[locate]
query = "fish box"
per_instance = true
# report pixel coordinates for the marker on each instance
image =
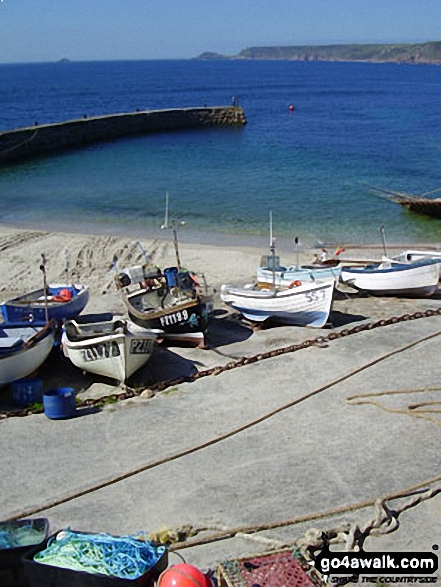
(16, 538)
(38, 574)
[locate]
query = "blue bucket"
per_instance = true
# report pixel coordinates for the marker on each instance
(27, 391)
(171, 274)
(59, 403)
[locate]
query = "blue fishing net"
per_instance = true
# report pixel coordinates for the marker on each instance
(125, 557)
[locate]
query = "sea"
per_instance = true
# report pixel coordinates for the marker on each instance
(319, 138)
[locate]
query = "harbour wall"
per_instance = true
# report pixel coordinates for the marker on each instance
(17, 145)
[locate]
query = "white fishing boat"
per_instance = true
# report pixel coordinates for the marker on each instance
(412, 255)
(308, 304)
(285, 276)
(114, 348)
(394, 278)
(299, 303)
(23, 348)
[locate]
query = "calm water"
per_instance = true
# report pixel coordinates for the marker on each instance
(353, 125)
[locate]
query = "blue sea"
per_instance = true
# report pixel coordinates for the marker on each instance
(354, 126)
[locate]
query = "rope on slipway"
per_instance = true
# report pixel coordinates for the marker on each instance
(418, 410)
(353, 536)
(74, 495)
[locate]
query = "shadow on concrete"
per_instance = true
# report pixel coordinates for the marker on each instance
(343, 318)
(225, 329)
(164, 364)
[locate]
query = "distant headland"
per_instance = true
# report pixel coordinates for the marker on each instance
(387, 53)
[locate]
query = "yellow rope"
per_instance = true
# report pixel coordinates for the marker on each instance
(417, 410)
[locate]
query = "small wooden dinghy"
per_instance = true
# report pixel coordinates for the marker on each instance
(392, 278)
(62, 301)
(23, 348)
(114, 348)
(308, 304)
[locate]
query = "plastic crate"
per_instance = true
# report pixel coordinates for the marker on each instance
(11, 570)
(41, 575)
(274, 569)
(27, 391)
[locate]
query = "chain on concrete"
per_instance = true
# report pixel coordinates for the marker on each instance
(161, 386)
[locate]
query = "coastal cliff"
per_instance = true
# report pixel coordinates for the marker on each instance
(376, 53)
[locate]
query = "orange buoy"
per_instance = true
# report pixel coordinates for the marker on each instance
(183, 575)
(295, 283)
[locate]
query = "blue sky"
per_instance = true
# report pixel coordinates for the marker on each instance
(47, 30)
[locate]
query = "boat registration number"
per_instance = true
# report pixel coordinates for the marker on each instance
(102, 350)
(141, 347)
(175, 318)
(316, 295)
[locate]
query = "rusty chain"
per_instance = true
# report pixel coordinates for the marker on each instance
(162, 385)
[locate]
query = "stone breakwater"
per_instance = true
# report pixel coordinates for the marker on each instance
(17, 145)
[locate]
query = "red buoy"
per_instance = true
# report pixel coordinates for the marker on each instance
(183, 575)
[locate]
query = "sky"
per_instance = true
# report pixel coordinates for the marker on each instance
(84, 30)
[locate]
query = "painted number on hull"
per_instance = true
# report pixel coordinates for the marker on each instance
(103, 350)
(174, 318)
(141, 347)
(316, 295)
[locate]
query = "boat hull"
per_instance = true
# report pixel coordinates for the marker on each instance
(33, 304)
(186, 321)
(306, 305)
(419, 279)
(20, 360)
(114, 349)
(412, 255)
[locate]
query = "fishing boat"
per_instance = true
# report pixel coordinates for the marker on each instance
(394, 278)
(411, 255)
(114, 348)
(286, 276)
(305, 303)
(174, 301)
(57, 301)
(24, 348)
(308, 304)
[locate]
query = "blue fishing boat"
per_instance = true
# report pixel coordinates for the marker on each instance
(55, 301)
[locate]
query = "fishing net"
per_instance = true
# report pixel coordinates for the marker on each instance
(124, 557)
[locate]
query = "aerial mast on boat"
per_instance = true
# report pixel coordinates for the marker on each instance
(174, 226)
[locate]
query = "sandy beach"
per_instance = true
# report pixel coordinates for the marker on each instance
(275, 440)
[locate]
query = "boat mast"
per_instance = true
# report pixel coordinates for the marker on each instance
(273, 251)
(45, 291)
(383, 239)
(296, 241)
(174, 227)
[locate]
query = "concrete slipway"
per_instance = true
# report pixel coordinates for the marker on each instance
(319, 454)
